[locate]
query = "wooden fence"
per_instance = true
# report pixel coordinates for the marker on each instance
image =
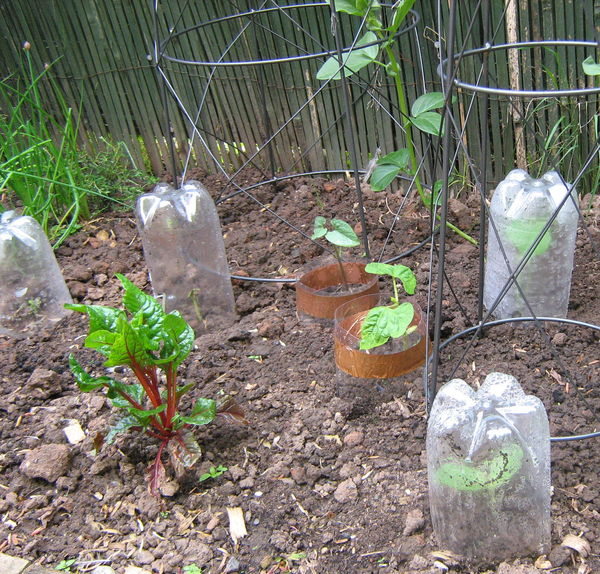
(223, 106)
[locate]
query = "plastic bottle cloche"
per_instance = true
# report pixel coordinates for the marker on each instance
(32, 289)
(185, 254)
(488, 464)
(520, 210)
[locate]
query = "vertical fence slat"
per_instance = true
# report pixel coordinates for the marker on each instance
(102, 46)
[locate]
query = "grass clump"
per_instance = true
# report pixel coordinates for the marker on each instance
(43, 170)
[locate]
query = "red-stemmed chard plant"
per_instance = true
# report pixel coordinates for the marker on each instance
(152, 344)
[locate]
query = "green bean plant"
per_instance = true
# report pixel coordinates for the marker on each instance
(340, 235)
(376, 46)
(391, 321)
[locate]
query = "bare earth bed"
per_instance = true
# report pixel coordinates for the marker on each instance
(329, 481)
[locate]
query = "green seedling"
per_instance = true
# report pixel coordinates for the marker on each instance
(65, 565)
(489, 474)
(194, 296)
(391, 321)
(152, 344)
(522, 234)
(213, 472)
(192, 569)
(340, 235)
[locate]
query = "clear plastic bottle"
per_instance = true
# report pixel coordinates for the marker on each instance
(185, 254)
(32, 289)
(520, 208)
(488, 462)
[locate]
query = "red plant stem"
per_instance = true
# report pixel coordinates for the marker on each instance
(150, 386)
(137, 405)
(163, 436)
(171, 393)
(154, 469)
(151, 374)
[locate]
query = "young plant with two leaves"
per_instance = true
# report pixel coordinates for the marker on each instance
(340, 235)
(376, 46)
(153, 344)
(392, 321)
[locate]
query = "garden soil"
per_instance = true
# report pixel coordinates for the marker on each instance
(330, 476)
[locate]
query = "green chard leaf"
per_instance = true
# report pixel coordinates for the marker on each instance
(203, 412)
(101, 318)
(86, 382)
(138, 302)
(102, 341)
(121, 426)
(129, 348)
(134, 390)
(178, 339)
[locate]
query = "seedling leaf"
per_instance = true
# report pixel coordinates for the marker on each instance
(427, 102)
(319, 227)
(383, 175)
(402, 9)
(523, 234)
(353, 7)
(489, 474)
(353, 61)
(428, 122)
(383, 323)
(400, 158)
(401, 272)
(388, 167)
(590, 67)
(342, 234)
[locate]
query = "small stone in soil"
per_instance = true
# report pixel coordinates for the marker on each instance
(346, 491)
(49, 461)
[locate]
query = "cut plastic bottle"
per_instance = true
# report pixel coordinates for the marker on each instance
(520, 209)
(488, 462)
(185, 254)
(32, 289)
